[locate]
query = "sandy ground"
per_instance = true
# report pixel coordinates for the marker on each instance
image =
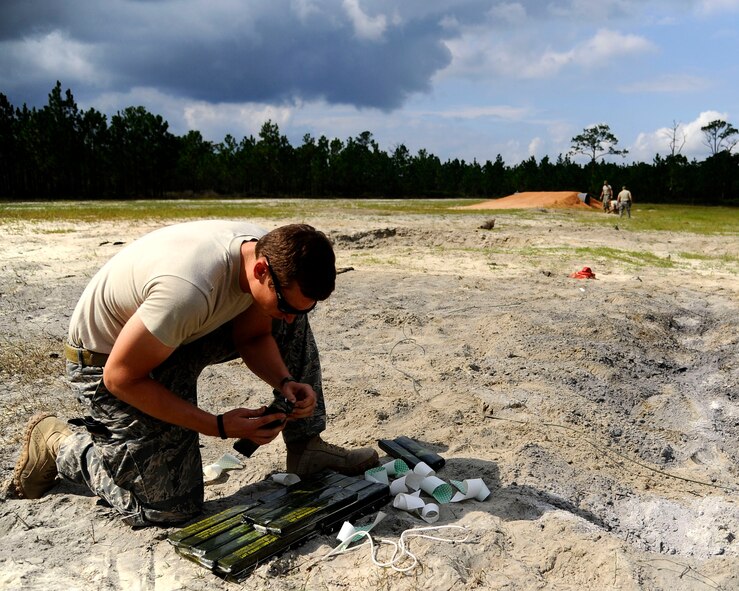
(602, 414)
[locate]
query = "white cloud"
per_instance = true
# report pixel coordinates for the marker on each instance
(600, 49)
(498, 112)
(561, 133)
(509, 12)
(480, 54)
(709, 7)
(212, 120)
(587, 9)
(648, 144)
(535, 146)
(304, 8)
(669, 83)
(53, 55)
(216, 120)
(365, 27)
(606, 45)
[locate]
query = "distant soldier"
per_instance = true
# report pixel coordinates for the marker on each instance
(624, 202)
(606, 195)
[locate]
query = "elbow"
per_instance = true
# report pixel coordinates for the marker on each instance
(115, 381)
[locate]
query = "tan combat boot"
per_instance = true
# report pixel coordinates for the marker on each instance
(313, 455)
(36, 472)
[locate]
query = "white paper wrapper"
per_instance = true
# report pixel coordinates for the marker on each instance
(430, 513)
(211, 472)
(437, 488)
(229, 462)
(285, 479)
(406, 502)
(423, 469)
(377, 475)
(348, 531)
(396, 467)
(474, 488)
(398, 486)
(413, 503)
(413, 481)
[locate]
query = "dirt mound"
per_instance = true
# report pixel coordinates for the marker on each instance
(529, 199)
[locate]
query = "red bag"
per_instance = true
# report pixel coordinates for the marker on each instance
(584, 273)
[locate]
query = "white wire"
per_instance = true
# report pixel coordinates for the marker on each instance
(401, 551)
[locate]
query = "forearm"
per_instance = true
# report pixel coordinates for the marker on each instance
(263, 358)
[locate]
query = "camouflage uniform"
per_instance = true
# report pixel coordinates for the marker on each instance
(151, 471)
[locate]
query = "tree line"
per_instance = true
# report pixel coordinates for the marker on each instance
(61, 152)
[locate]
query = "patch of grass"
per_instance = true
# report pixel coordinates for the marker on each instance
(371, 259)
(32, 372)
(721, 258)
(724, 262)
(61, 231)
(27, 361)
(695, 219)
(646, 217)
(201, 208)
(142, 209)
(274, 208)
(636, 258)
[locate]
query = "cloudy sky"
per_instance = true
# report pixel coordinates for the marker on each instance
(459, 78)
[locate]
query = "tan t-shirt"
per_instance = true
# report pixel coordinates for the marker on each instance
(182, 281)
(624, 196)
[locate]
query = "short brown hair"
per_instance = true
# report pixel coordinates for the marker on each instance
(299, 252)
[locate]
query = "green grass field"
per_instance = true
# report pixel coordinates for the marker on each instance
(646, 217)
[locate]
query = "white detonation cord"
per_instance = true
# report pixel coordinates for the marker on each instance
(401, 551)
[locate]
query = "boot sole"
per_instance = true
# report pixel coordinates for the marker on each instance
(21, 463)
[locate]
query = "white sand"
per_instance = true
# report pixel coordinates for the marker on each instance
(602, 414)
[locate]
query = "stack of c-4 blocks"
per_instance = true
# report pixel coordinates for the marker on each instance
(235, 541)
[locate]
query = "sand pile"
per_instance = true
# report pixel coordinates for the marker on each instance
(531, 199)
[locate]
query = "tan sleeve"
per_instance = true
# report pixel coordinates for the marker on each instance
(173, 309)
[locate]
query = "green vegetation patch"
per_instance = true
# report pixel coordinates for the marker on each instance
(695, 219)
(91, 211)
(668, 218)
(636, 258)
(711, 258)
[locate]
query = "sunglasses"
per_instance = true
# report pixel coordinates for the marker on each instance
(282, 304)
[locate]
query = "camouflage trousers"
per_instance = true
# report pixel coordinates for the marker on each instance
(151, 471)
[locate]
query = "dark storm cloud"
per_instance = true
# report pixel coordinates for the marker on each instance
(369, 54)
(287, 60)
(260, 51)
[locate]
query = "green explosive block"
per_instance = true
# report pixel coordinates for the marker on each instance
(247, 536)
(239, 564)
(211, 544)
(293, 495)
(203, 529)
(308, 514)
(370, 496)
(232, 544)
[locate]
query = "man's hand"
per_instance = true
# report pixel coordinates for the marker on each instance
(304, 398)
(245, 423)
